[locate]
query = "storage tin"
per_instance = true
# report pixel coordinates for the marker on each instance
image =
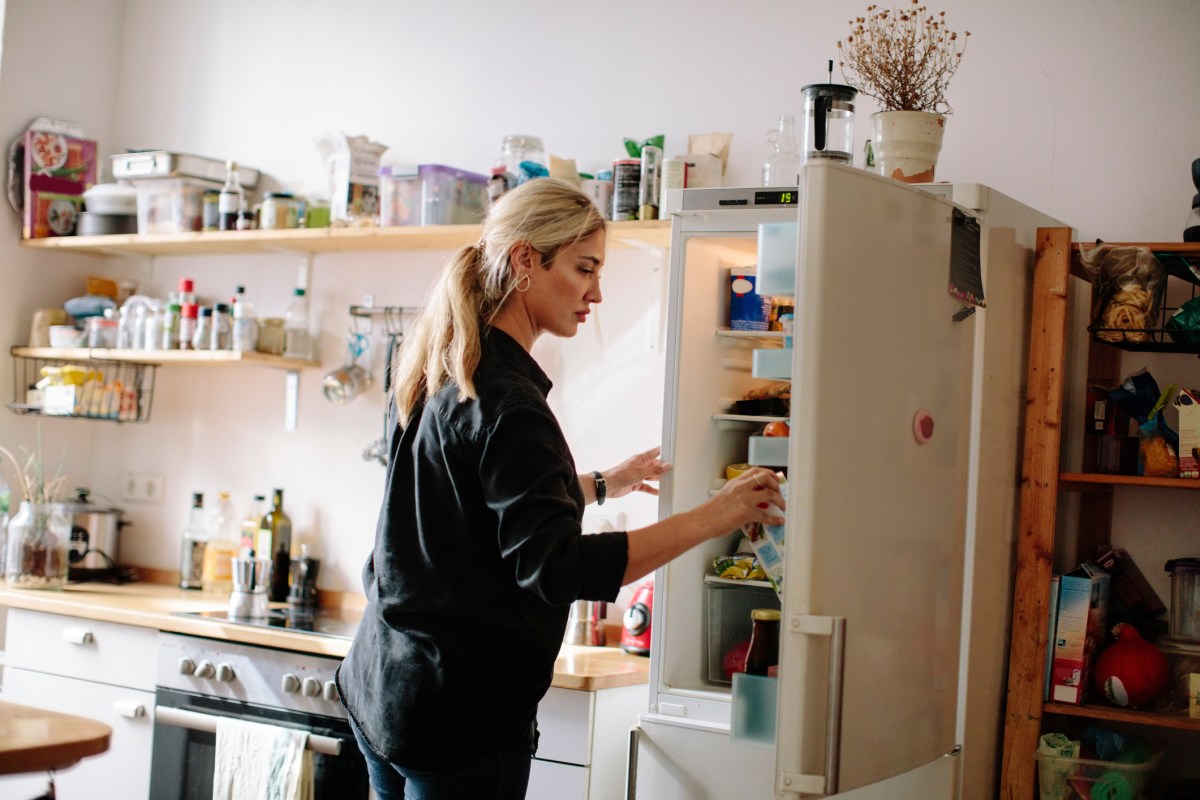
(1185, 597)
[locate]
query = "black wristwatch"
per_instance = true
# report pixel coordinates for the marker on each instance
(601, 487)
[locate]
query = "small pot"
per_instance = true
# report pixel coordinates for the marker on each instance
(95, 535)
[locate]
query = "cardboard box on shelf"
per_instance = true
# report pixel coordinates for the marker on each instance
(1082, 613)
(1133, 598)
(58, 168)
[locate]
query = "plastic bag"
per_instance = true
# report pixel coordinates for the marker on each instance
(1129, 282)
(1184, 324)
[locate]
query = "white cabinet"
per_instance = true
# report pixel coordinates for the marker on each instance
(98, 670)
(582, 747)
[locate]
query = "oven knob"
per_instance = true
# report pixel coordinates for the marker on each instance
(330, 692)
(224, 673)
(311, 687)
(186, 666)
(204, 669)
(290, 683)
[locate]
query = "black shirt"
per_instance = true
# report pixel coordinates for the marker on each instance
(478, 555)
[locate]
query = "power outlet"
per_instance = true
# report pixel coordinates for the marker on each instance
(603, 521)
(145, 488)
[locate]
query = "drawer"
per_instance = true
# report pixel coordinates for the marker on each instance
(103, 652)
(564, 723)
(119, 773)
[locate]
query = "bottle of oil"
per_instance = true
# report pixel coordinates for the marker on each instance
(195, 538)
(280, 527)
(223, 532)
(251, 525)
(231, 199)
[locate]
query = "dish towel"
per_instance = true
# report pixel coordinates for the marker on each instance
(261, 762)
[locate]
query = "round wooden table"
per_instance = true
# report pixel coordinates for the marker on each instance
(36, 740)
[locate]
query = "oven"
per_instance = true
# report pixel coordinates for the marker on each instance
(202, 680)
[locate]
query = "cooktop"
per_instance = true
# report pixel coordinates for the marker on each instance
(334, 622)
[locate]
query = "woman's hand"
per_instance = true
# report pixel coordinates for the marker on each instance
(632, 474)
(753, 496)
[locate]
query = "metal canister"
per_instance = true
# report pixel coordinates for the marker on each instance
(650, 182)
(627, 178)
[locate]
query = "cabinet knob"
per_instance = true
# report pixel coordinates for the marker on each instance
(77, 635)
(129, 708)
(311, 687)
(186, 666)
(290, 684)
(224, 673)
(205, 669)
(330, 692)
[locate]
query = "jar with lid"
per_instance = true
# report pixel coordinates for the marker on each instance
(202, 340)
(271, 335)
(517, 149)
(222, 329)
(764, 641)
(279, 210)
(101, 332)
(210, 210)
(187, 325)
(39, 536)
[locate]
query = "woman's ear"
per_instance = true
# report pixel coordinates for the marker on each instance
(523, 257)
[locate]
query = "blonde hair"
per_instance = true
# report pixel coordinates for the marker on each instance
(444, 345)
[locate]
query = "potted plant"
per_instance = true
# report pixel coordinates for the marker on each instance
(39, 533)
(904, 59)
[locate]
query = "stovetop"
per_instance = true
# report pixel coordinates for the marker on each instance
(332, 622)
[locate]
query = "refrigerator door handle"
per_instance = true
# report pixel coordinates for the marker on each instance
(635, 735)
(794, 784)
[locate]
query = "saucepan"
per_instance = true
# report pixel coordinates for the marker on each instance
(345, 383)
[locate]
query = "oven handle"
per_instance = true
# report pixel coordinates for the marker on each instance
(194, 720)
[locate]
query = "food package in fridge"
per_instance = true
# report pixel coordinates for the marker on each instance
(58, 168)
(767, 542)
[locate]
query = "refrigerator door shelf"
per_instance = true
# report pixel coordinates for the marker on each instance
(774, 364)
(768, 451)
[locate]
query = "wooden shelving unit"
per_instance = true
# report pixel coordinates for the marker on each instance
(1057, 261)
(316, 240)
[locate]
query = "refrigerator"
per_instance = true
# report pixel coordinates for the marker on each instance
(906, 367)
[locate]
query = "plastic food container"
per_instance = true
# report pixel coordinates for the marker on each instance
(1185, 597)
(431, 194)
(1060, 777)
(1183, 661)
(171, 205)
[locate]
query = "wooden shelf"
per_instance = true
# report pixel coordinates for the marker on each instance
(1074, 479)
(223, 357)
(317, 240)
(1178, 720)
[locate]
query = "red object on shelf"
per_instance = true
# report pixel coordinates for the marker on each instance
(1131, 672)
(635, 623)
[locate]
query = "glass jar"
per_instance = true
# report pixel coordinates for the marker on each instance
(271, 336)
(279, 210)
(38, 539)
(517, 149)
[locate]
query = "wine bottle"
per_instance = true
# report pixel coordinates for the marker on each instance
(195, 538)
(280, 526)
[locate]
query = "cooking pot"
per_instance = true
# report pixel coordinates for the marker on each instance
(95, 536)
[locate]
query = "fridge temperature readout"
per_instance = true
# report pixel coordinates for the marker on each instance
(786, 197)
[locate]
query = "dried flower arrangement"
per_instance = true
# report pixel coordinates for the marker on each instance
(37, 555)
(31, 477)
(902, 58)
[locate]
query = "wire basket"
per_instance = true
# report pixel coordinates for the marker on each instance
(1161, 337)
(118, 391)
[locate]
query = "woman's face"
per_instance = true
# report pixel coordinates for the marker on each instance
(561, 296)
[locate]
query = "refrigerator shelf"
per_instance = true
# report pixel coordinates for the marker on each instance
(735, 582)
(729, 422)
(768, 451)
(766, 336)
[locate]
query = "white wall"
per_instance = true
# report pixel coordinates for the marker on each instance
(1084, 110)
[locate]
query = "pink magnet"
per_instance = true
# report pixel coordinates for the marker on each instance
(922, 426)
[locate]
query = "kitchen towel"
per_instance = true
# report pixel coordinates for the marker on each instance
(261, 762)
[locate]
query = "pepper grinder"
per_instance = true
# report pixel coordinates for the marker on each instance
(1191, 228)
(302, 594)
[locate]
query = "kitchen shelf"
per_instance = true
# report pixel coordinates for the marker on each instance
(158, 357)
(1074, 480)
(1178, 720)
(655, 233)
(734, 582)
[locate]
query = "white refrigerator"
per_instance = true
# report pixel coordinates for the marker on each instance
(902, 468)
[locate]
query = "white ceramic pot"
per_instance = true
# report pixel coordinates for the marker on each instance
(907, 143)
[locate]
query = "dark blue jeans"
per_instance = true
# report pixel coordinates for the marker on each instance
(503, 775)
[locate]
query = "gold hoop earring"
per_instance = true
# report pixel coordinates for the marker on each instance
(519, 287)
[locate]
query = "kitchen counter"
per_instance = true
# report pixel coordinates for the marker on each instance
(149, 605)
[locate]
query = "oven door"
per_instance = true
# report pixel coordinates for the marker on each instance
(185, 746)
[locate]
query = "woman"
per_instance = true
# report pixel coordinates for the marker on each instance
(478, 551)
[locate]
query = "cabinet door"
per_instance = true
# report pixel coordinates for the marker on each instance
(122, 655)
(551, 781)
(564, 724)
(120, 773)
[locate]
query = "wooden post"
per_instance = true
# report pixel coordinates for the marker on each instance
(1039, 500)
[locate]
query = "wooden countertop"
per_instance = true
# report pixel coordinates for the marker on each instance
(150, 605)
(37, 740)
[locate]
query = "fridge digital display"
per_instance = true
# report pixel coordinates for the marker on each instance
(783, 197)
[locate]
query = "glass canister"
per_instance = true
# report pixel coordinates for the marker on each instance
(829, 122)
(39, 536)
(1185, 597)
(517, 149)
(271, 336)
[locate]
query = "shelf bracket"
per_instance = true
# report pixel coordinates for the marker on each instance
(291, 400)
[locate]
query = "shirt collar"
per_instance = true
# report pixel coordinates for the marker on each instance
(506, 352)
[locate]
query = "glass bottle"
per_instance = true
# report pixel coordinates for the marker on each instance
(782, 167)
(187, 325)
(39, 535)
(170, 327)
(296, 343)
(764, 641)
(202, 339)
(279, 526)
(5, 501)
(195, 538)
(222, 331)
(224, 531)
(251, 525)
(244, 338)
(229, 204)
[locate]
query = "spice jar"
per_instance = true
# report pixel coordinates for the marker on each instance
(271, 336)
(279, 210)
(38, 539)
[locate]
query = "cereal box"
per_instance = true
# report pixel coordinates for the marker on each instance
(58, 169)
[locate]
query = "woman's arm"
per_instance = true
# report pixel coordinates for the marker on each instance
(631, 475)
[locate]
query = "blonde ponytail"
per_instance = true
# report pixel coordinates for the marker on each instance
(446, 341)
